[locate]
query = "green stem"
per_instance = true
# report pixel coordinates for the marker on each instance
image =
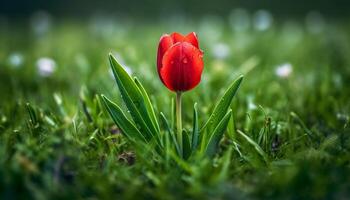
(178, 120)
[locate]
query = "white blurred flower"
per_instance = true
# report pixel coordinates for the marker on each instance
(337, 80)
(221, 50)
(342, 117)
(239, 20)
(40, 22)
(284, 70)
(251, 104)
(46, 66)
(16, 59)
(262, 20)
(314, 22)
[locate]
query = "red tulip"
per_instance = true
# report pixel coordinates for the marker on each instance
(179, 61)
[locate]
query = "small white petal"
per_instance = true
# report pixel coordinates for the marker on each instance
(262, 20)
(221, 51)
(46, 66)
(40, 22)
(284, 70)
(15, 59)
(251, 104)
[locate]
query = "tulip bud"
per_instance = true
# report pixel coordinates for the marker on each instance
(179, 61)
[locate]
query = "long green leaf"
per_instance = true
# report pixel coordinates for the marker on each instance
(217, 134)
(222, 106)
(134, 100)
(186, 145)
(195, 131)
(170, 132)
(126, 126)
(148, 104)
(173, 114)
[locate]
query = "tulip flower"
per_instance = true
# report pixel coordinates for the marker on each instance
(180, 66)
(179, 61)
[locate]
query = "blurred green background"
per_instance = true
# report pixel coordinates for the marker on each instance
(294, 102)
(162, 8)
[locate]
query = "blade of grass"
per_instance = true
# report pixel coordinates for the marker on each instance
(255, 145)
(307, 130)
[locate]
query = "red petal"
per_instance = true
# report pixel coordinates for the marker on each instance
(182, 67)
(177, 37)
(192, 38)
(165, 43)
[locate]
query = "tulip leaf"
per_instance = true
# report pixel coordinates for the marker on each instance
(195, 131)
(222, 106)
(148, 104)
(126, 126)
(166, 138)
(173, 114)
(171, 133)
(132, 96)
(186, 145)
(217, 134)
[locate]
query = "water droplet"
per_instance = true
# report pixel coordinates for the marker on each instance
(185, 60)
(172, 62)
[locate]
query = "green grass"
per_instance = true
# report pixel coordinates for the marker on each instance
(289, 138)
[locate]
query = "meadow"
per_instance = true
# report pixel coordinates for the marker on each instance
(288, 137)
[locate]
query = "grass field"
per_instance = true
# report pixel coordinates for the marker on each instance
(288, 138)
